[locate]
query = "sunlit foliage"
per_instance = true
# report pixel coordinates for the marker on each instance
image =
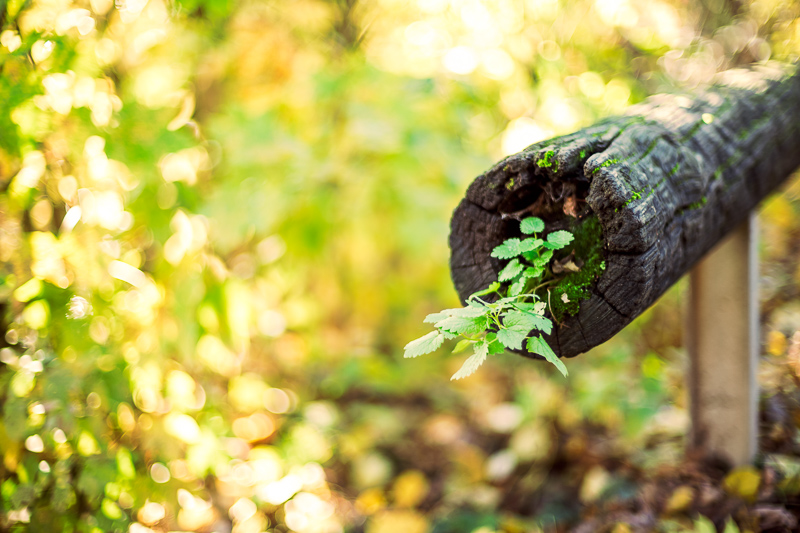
(220, 222)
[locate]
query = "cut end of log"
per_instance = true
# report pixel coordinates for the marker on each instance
(664, 183)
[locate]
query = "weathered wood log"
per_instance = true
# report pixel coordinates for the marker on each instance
(666, 181)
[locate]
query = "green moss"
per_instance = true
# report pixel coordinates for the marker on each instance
(606, 164)
(675, 169)
(697, 205)
(588, 246)
(510, 184)
(582, 154)
(547, 161)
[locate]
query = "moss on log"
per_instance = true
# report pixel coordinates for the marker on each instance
(666, 181)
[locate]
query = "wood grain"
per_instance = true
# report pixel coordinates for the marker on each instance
(667, 181)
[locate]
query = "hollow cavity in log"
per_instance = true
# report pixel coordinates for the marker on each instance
(665, 182)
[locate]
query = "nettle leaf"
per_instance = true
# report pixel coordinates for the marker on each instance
(519, 321)
(531, 225)
(530, 307)
(481, 350)
(517, 287)
(471, 311)
(462, 345)
(559, 239)
(495, 346)
(514, 247)
(488, 290)
(524, 322)
(543, 259)
(511, 338)
(512, 269)
(463, 325)
(434, 318)
(507, 250)
(542, 323)
(538, 346)
(532, 272)
(529, 245)
(425, 344)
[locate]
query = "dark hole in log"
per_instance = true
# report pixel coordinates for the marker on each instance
(657, 207)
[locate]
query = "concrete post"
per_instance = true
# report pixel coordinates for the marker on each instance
(722, 327)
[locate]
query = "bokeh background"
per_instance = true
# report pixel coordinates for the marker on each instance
(220, 222)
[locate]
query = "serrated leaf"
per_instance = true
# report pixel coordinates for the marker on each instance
(531, 225)
(488, 290)
(495, 346)
(434, 318)
(471, 311)
(560, 239)
(529, 245)
(507, 250)
(481, 350)
(538, 346)
(511, 339)
(512, 269)
(425, 344)
(526, 322)
(462, 345)
(532, 272)
(463, 325)
(517, 287)
(543, 259)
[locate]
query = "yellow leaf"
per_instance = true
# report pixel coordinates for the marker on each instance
(398, 522)
(680, 499)
(410, 488)
(776, 343)
(594, 482)
(743, 482)
(370, 501)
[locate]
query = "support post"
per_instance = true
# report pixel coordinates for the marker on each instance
(722, 328)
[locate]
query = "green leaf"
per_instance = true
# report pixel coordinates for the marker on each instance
(543, 259)
(462, 345)
(423, 345)
(463, 325)
(495, 346)
(481, 350)
(512, 269)
(471, 311)
(532, 272)
(526, 322)
(511, 339)
(559, 239)
(538, 346)
(488, 290)
(529, 245)
(507, 250)
(434, 318)
(531, 225)
(530, 307)
(731, 527)
(517, 287)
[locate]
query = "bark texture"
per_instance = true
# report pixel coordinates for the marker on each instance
(667, 181)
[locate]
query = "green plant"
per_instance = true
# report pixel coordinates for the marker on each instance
(515, 318)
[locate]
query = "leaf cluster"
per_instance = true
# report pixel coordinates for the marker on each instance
(515, 318)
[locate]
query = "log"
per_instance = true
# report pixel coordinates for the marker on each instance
(666, 181)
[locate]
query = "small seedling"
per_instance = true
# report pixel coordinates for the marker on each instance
(516, 318)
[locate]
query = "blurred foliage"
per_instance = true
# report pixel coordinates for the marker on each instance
(221, 221)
